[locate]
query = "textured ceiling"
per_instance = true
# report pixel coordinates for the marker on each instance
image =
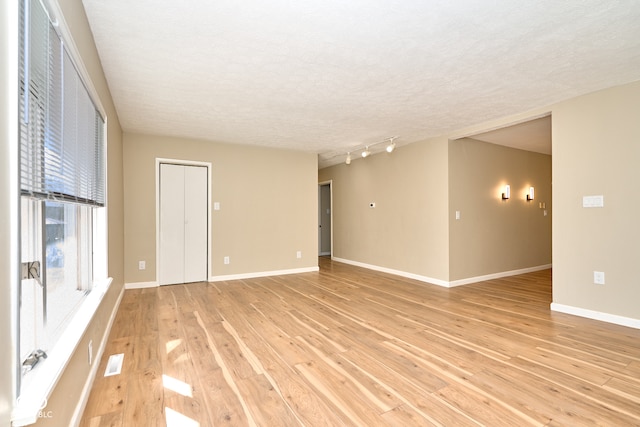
(328, 76)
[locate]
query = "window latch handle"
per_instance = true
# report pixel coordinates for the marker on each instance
(31, 270)
(33, 359)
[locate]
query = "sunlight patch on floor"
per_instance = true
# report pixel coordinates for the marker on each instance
(176, 419)
(177, 386)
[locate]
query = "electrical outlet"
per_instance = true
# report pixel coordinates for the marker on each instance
(598, 277)
(142, 265)
(227, 260)
(299, 254)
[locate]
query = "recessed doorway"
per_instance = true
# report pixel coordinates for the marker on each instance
(325, 219)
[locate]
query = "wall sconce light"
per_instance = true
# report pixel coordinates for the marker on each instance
(507, 192)
(530, 195)
(348, 161)
(366, 152)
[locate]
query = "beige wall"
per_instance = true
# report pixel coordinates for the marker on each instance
(495, 235)
(596, 151)
(268, 205)
(67, 393)
(407, 230)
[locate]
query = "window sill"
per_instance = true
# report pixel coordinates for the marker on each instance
(32, 402)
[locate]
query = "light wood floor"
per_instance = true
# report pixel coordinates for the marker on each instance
(348, 346)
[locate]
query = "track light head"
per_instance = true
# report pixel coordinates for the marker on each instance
(392, 144)
(366, 152)
(348, 161)
(391, 147)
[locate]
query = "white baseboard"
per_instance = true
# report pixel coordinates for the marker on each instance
(263, 274)
(440, 282)
(596, 315)
(140, 285)
(425, 279)
(498, 275)
(86, 391)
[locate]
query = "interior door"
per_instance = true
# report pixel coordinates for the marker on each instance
(183, 224)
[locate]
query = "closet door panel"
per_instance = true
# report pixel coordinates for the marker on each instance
(196, 224)
(172, 218)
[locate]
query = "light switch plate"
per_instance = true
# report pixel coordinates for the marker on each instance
(593, 201)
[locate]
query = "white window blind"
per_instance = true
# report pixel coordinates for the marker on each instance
(62, 132)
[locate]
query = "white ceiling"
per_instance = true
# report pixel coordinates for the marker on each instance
(327, 76)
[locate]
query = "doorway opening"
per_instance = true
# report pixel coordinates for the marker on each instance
(526, 170)
(325, 219)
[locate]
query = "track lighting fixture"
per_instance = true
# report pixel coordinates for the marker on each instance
(366, 152)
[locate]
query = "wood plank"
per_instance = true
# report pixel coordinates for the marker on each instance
(582, 397)
(403, 416)
(483, 409)
(633, 369)
(144, 404)
(353, 409)
(113, 419)
(108, 396)
(627, 388)
(572, 366)
(223, 405)
(266, 405)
